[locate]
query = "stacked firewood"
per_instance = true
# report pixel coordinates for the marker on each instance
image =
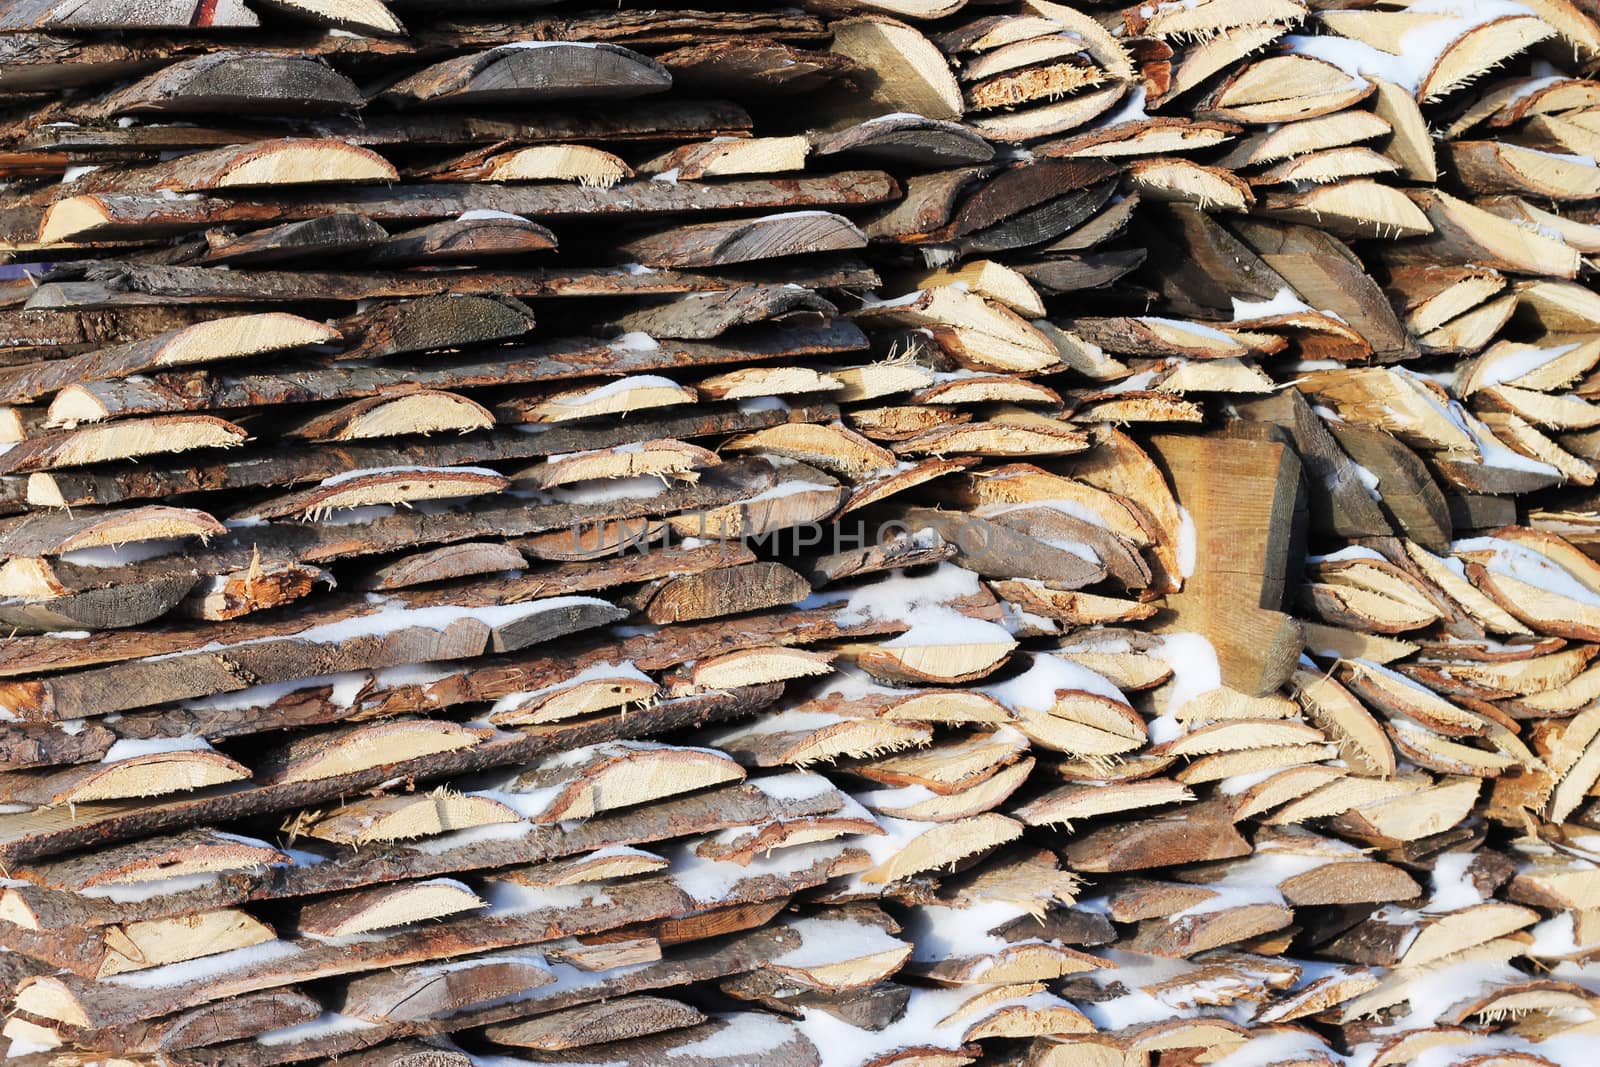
(881, 532)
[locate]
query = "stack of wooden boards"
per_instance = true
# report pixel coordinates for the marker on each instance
(882, 532)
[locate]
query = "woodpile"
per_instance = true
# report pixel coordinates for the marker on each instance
(873, 532)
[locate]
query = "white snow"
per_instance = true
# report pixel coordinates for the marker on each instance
(325, 1025)
(943, 626)
(495, 831)
(709, 882)
(420, 472)
(1348, 553)
(833, 940)
(1523, 564)
(751, 1034)
(126, 893)
(206, 967)
(799, 785)
(604, 491)
(1285, 302)
(1452, 889)
(783, 489)
(1511, 365)
(485, 214)
(1195, 670)
(1188, 543)
(619, 385)
(1131, 109)
(395, 616)
(608, 669)
(123, 554)
(898, 596)
(546, 44)
(513, 898)
(1199, 329)
(1268, 1049)
(636, 341)
(1036, 688)
(129, 748)
(942, 933)
(1418, 49)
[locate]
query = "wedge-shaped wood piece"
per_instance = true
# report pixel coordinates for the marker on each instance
(239, 82)
(155, 942)
(1498, 167)
(426, 990)
(285, 161)
(1528, 366)
(534, 71)
(757, 666)
(1180, 180)
(137, 769)
(1062, 805)
(1051, 119)
(1282, 89)
(703, 316)
(1150, 136)
(829, 446)
(944, 649)
(445, 321)
(658, 459)
(422, 411)
(1331, 165)
(913, 75)
(750, 382)
(617, 397)
(912, 848)
(715, 244)
(1352, 208)
(951, 767)
(1188, 834)
(328, 236)
(908, 140)
(386, 907)
(798, 738)
(729, 65)
(1344, 720)
(235, 337)
(98, 609)
(622, 1019)
(367, 488)
(470, 237)
(997, 549)
(720, 159)
(1539, 578)
(621, 774)
(1464, 233)
(60, 532)
(154, 859)
(980, 333)
(1293, 139)
(588, 166)
(254, 588)
(127, 439)
(404, 816)
(722, 591)
(355, 748)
